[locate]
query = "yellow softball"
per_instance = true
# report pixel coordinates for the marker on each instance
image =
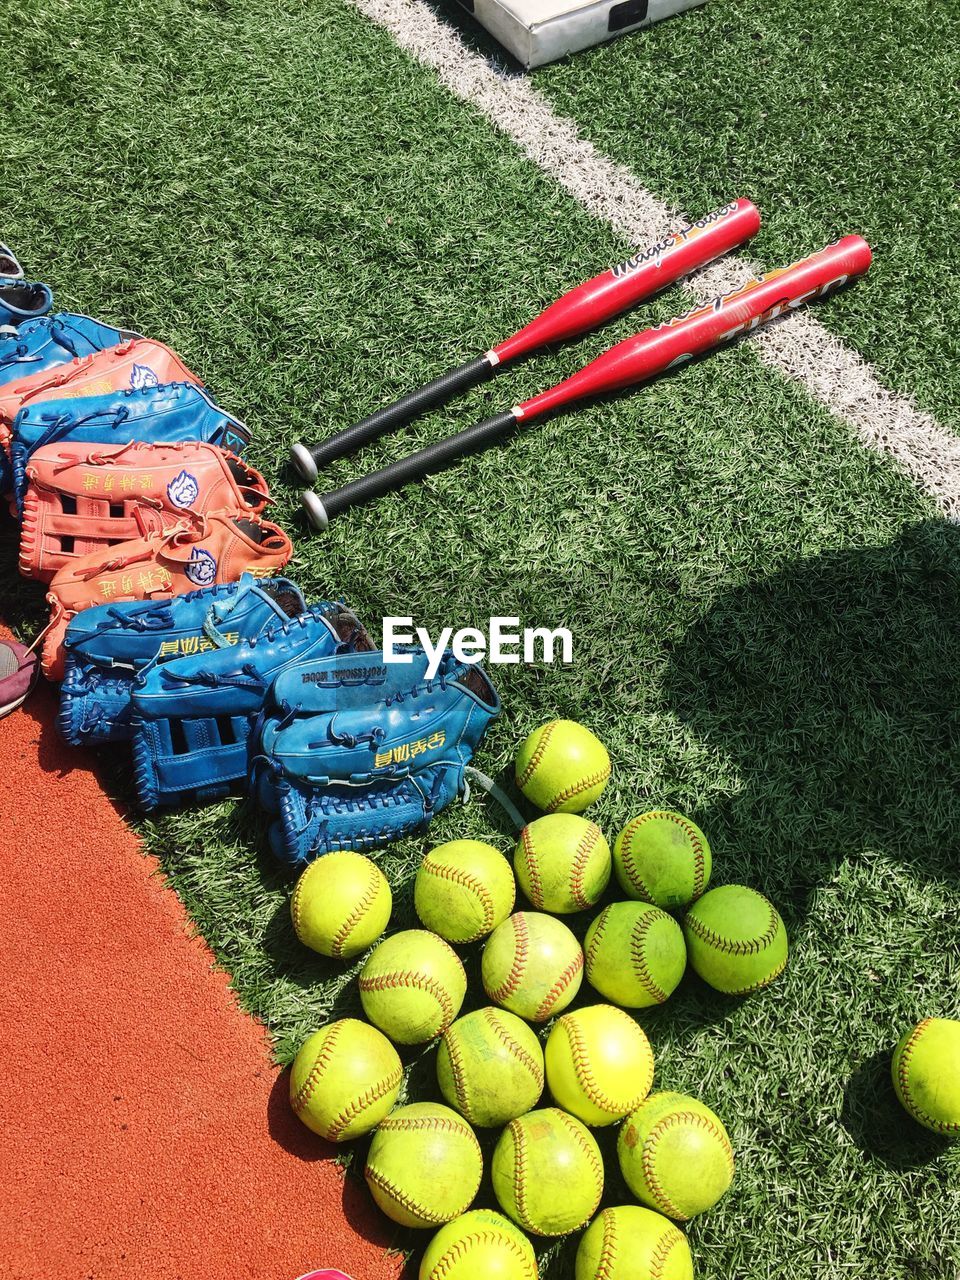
(562, 767)
(424, 1165)
(562, 862)
(635, 954)
(627, 1241)
(548, 1172)
(599, 1064)
(736, 939)
(532, 965)
(490, 1066)
(675, 1155)
(480, 1245)
(463, 890)
(341, 905)
(344, 1079)
(926, 1074)
(663, 858)
(412, 986)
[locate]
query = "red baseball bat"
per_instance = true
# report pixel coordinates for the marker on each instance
(635, 360)
(579, 310)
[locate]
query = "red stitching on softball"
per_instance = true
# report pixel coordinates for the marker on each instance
(696, 844)
(942, 1126)
(521, 940)
(598, 927)
(400, 978)
(556, 991)
(412, 1124)
(517, 1049)
(672, 1236)
(458, 1250)
(321, 1062)
(578, 788)
(638, 936)
(456, 1067)
(372, 1095)
(626, 857)
(731, 946)
(295, 904)
(520, 1173)
(608, 1248)
(537, 756)
(582, 856)
(649, 1152)
(356, 915)
(533, 871)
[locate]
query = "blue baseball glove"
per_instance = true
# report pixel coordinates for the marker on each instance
(21, 301)
(192, 716)
(163, 414)
(37, 345)
(354, 753)
(107, 645)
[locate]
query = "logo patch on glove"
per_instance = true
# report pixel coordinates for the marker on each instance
(183, 490)
(143, 376)
(201, 568)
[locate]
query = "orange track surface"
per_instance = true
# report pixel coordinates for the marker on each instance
(145, 1132)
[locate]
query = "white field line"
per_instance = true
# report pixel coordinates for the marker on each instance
(798, 347)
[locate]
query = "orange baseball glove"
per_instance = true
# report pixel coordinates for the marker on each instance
(196, 552)
(82, 498)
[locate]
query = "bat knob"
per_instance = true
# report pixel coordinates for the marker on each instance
(301, 460)
(316, 511)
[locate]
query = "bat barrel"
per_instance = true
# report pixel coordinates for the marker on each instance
(322, 509)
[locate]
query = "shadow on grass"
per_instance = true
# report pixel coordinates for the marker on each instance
(878, 1124)
(834, 689)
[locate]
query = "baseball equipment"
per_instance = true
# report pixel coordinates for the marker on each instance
(424, 1165)
(341, 905)
(532, 965)
(155, 415)
(197, 552)
(412, 986)
(562, 767)
(490, 1067)
(128, 366)
(675, 1155)
(480, 1245)
(344, 1080)
(547, 1172)
(635, 954)
(562, 863)
(20, 301)
(627, 1241)
(463, 890)
(736, 940)
(9, 266)
(108, 644)
(636, 360)
(355, 754)
(663, 858)
(84, 498)
(192, 717)
(926, 1074)
(599, 1064)
(575, 313)
(40, 345)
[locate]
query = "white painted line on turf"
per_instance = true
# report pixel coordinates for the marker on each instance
(798, 347)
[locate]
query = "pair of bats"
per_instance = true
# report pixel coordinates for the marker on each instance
(635, 360)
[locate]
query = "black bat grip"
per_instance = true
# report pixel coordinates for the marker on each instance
(322, 509)
(307, 459)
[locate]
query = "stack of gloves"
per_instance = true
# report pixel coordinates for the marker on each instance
(123, 471)
(169, 628)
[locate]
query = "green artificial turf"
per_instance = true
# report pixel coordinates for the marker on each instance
(764, 614)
